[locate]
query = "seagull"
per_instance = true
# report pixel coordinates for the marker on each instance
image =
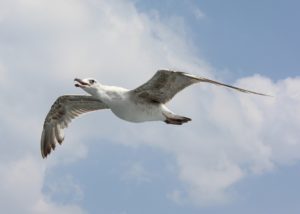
(145, 103)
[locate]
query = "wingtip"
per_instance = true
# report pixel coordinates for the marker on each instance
(261, 94)
(44, 154)
(268, 95)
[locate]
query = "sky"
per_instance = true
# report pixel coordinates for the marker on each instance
(239, 154)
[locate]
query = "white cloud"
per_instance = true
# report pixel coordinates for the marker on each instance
(137, 172)
(65, 187)
(198, 13)
(176, 196)
(21, 184)
(232, 135)
(46, 44)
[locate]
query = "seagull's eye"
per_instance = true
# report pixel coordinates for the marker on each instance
(92, 81)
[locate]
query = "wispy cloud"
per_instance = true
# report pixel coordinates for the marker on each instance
(137, 172)
(199, 14)
(65, 188)
(21, 185)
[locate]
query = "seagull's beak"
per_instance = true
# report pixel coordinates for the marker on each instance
(80, 83)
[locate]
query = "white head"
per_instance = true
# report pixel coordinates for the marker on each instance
(89, 85)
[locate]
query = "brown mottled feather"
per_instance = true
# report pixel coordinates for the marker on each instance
(165, 84)
(64, 109)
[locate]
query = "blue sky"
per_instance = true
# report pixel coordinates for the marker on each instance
(244, 37)
(240, 154)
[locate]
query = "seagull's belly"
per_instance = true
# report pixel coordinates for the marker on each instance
(138, 113)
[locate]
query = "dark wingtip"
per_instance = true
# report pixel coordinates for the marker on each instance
(44, 154)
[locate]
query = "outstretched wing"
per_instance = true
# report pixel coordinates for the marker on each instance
(163, 86)
(64, 109)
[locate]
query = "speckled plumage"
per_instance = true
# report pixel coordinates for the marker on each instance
(63, 110)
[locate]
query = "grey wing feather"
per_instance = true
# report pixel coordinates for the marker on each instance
(165, 84)
(202, 79)
(64, 109)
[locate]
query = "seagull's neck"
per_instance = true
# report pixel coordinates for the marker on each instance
(108, 93)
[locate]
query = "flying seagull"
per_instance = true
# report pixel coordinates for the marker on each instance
(145, 103)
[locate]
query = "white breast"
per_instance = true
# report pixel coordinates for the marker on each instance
(122, 105)
(132, 112)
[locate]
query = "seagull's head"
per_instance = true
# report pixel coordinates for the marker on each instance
(89, 85)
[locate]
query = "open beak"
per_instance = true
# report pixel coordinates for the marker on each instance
(80, 83)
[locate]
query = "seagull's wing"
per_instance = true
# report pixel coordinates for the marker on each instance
(163, 86)
(64, 109)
